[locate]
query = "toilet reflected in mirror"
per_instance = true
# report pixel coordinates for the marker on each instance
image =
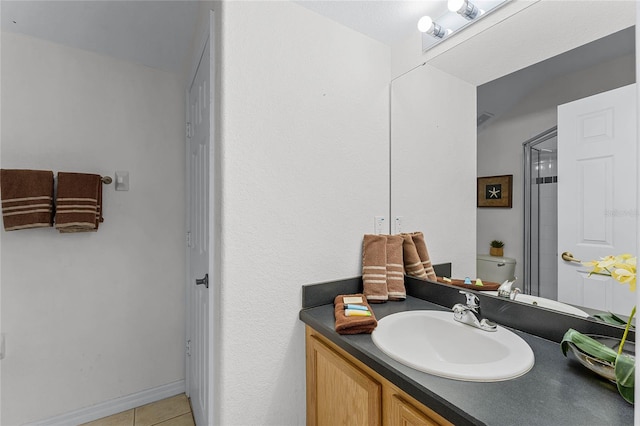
(495, 269)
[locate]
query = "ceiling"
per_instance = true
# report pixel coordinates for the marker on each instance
(498, 96)
(159, 33)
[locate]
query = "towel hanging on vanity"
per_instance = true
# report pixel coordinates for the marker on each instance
(374, 268)
(78, 202)
(395, 268)
(27, 198)
(423, 253)
(412, 264)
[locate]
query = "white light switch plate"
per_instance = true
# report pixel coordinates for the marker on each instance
(122, 181)
(379, 225)
(397, 225)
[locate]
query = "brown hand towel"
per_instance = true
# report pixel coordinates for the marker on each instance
(374, 268)
(78, 202)
(395, 268)
(353, 325)
(412, 263)
(423, 253)
(27, 198)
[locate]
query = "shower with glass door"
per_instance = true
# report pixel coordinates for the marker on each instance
(540, 266)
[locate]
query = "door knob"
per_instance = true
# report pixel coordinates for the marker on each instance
(204, 281)
(567, 256)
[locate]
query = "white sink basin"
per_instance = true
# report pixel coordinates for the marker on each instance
(546, 303)
(433, 342)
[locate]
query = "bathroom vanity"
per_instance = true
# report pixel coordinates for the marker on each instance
(350, 380)
(340, 387)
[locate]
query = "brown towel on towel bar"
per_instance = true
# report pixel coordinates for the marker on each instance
(27, 198)
(353, 325)
(395, 268)
(412, 263)
(374, 268)
(78, 202)
(423, 253)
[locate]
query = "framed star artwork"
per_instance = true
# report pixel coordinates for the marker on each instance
(495, 191)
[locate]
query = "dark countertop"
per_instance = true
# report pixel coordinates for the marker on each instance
(557, 390)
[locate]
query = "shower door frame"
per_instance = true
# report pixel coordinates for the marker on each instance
(527, 147)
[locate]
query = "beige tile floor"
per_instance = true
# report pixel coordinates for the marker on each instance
(174, 411)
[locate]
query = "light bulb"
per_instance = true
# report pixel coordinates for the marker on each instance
(425, 24)
(456, 5)
(464, 8)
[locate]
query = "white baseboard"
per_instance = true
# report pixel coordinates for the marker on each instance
(113, 406)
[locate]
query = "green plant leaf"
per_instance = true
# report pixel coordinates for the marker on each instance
(610, 318)
(624, 364)
(625, 376)
(587, 345)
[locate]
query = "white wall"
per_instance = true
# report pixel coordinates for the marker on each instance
(433, 163)
(500, 144)
(305, 126)
(91, 317)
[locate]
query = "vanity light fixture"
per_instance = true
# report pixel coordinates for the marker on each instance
(464, 8)
(426, 25)
(442, 27)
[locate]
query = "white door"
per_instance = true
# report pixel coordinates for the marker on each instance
(596, 195)
(198, 304)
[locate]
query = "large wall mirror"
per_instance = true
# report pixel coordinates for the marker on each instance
(473, 110)
(519, 118)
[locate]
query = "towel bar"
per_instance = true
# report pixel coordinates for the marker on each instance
(107, 180)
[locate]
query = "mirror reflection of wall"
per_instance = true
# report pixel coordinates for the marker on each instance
(437, 147)
(520, 106)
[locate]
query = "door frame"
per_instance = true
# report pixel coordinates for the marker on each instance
(208, 34)
(526, 182)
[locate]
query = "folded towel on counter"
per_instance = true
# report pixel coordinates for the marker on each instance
(412, 263)
(353, 324)
(374, 268)
(395, 268)
(78, 202)
(423, 253)
(27, 198)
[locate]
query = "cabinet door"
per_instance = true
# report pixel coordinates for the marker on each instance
(338, 393)
(404, 414)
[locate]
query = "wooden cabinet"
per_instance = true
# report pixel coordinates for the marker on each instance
(405, 414)
(343, 391)
(342, 394)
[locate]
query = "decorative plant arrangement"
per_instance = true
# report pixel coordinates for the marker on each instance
(609, 363)
(497, 248)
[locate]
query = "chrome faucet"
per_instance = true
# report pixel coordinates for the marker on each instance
(470, 313)
(505, 290)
